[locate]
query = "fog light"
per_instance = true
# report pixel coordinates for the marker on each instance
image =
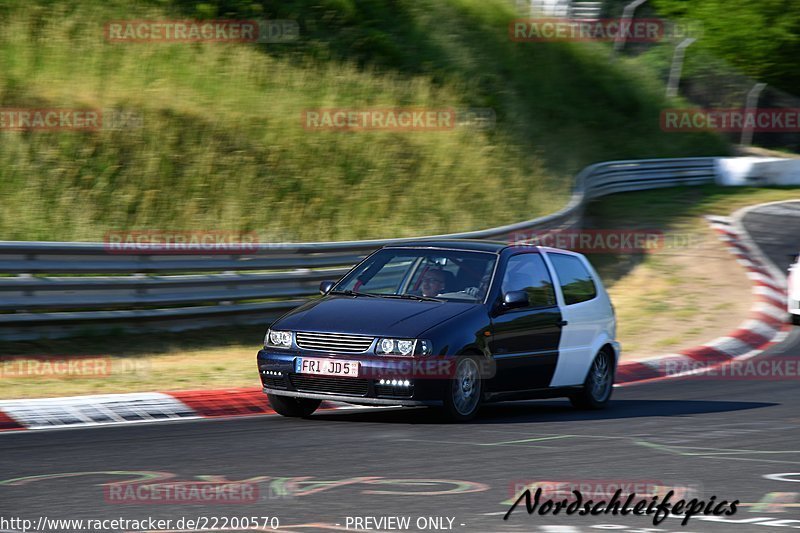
(395, 382)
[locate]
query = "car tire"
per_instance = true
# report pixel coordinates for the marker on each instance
(599, 384)
(463, 393)
(293, 407)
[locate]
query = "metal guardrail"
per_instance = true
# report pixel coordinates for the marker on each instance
(561, 8)
(151, 288)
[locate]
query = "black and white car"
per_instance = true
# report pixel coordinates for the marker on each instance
(452, 324)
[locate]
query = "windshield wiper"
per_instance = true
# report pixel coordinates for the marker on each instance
(407, 296)
(349, 292)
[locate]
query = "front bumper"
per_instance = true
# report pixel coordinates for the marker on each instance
(278, 376)
(352, 399)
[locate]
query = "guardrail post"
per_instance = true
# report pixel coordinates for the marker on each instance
(677, 67)
(627, 15)
(751, 107)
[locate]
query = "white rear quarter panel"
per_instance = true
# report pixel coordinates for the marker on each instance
(590, 325)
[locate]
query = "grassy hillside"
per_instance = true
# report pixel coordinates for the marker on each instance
(222, 146)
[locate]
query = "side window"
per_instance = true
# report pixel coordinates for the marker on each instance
(527, 272)
(576, 282)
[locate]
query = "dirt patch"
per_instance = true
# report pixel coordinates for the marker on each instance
(678, 298)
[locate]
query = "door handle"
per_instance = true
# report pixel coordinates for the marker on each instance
(562, 323)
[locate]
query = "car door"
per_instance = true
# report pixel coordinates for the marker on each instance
(525, 340)
(585, 316)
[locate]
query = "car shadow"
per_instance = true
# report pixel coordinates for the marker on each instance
(527, 412)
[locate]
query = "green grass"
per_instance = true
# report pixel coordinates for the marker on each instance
(222, 147)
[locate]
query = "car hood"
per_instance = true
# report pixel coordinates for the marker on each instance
(370, 316)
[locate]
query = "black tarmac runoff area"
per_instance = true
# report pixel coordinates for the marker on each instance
(393, 469)
(776, 230)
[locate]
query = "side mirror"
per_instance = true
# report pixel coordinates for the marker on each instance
(325, 287)
(515, 300)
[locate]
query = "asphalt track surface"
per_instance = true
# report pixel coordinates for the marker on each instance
(736, 439)
(776, 230)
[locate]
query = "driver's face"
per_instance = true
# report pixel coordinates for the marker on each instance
(432, 283)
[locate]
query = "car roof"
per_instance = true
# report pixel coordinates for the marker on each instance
(454, 244)
(479, 246)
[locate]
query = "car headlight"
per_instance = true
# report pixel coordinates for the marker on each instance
(278, 339)
(404, 347)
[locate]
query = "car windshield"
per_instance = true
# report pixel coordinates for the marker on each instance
(422, 274)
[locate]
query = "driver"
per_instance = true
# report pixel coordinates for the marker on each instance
(432, 283)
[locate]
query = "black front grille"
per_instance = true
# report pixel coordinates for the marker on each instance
(273, 382)
(348, 386)
(394, 392)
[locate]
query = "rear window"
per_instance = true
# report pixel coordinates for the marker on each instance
(576, 283)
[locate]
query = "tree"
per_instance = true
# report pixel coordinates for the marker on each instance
(760, 37)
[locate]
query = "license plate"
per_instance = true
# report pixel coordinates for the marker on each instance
(326, 367)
